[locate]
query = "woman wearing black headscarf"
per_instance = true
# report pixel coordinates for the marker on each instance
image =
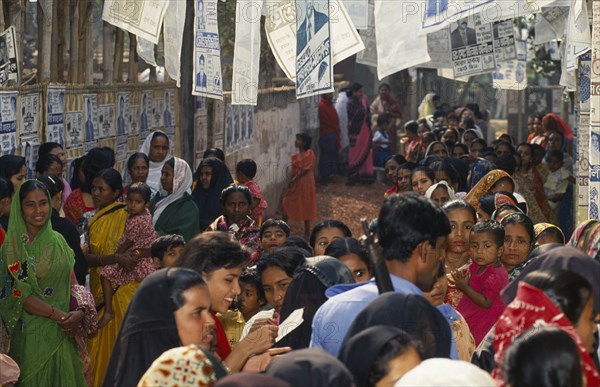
(162, 315)
(211, 177)
(380, 355)
(310, 367)
(307, 290)
(411, 313)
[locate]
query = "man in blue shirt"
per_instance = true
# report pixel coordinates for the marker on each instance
(412, 233)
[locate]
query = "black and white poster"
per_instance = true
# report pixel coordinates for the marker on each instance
(9, 68)
(123, 117)
(55, 113)
(29, 117)
(314, 69)
(8, 119)
(239, 127)
(106, 120)
(74, 129)
(90, 108)
(207, 80)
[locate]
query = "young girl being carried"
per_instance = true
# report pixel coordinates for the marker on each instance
(138, 238)
(486, 277)
(462, 217)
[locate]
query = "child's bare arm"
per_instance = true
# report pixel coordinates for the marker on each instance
(255, 202)
(461, 281)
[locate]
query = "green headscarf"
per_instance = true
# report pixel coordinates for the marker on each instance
(41, 267)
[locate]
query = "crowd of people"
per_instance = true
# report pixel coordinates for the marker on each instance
(156, 275)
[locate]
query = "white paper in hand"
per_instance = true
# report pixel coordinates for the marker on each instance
(292, 322)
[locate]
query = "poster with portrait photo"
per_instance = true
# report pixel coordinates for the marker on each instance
(314, 68)
(121, 149)
(74, 129)
(8, 120)
(157, 111)
(30, 152)
(207, 79)
(29, 114)
(123, 118)
(168, 109)
(9, 66)
(472, 46)
(147, 103)
(55, 112)
(106, 120)
(90, 117)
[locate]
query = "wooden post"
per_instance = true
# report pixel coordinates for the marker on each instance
(73, 75)
(134, 60)
(118, 58)
(108, 50)
(45, 44)
(186, 99)
(61, 16)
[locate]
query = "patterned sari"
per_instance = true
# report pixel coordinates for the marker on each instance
(41, 267)
(360, 158)
(105, 229)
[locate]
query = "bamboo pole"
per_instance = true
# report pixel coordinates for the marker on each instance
(108, 33)
(61, 31)
(45, 44)
(134, 60)
(118, 59)
(73, 75)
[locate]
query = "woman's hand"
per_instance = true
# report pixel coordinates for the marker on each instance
(127, 260)
(259, 363)
(261, 336)
(70, 322)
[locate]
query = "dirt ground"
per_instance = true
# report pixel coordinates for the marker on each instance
(346, 203)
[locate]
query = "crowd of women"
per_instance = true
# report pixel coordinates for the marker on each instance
(159, 276)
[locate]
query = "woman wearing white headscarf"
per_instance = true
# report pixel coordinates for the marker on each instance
(173, 209)
(440, 192)
(157, 147)
(446, 372)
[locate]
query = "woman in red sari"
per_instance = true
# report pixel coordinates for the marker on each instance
(360, 158)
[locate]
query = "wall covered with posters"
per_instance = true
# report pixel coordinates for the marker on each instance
(83, 117)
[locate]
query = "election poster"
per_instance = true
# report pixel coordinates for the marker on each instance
(74, 124)
(106, 120)
(314, 70)
(512, 74)
(55, 113)
(90, 107)
(358, 10)
(281, 29)
(168, 109)
(141, 18)
(478, 46)
(246, 53)
(438, 48)
(368, 56)
(123, 118)
(146, 113)
(29, 114)
(207, 79)
(30, 152)
(239, 127)
(134, 114)
(9, 66)
(8, 119)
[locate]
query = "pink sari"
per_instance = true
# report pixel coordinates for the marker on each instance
(360, 158)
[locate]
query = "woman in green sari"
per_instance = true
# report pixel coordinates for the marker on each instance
(173, 209)
(36, 267)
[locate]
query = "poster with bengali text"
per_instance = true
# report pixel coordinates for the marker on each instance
(314, 70)
(123, 118)
(207, 79)
(8, 120)
(29, 114)
(106, 120)
(90, 107)
(141, 18)
(74, 124)
(55, 113)
(9, 66)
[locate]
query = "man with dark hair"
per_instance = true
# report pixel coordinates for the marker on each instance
(412, 234)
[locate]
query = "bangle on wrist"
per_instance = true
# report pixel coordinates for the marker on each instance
(51, 313)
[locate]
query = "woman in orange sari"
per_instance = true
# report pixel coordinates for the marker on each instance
(300, 200)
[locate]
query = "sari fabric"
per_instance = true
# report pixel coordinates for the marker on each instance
(480, 168)
(532, 189)
(105, 229)
(75, 207)
(532, 308)
(246, 232)
(42, 268)
(586, 238)
(360, 158)
(300, 199)
(483, 186)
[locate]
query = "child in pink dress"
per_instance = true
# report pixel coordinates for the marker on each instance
(245, 171)
(138, 238)
(481, 304)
